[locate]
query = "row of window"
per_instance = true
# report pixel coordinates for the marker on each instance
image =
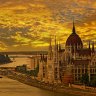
(78, 77)
(79, 70)
(80, 66)
(83, 70)
(93, 63)
(92, 70)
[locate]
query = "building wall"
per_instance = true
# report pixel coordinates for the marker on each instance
(54, 69)
(93, 67)
(79, 70)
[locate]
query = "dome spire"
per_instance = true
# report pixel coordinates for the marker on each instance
(73, 30)
(74, 38)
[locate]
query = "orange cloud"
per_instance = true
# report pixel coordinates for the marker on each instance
(29, 23)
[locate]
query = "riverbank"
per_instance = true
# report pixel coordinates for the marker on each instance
(51, 87)
(10, 87)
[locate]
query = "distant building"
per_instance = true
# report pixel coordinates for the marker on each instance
(70, 64)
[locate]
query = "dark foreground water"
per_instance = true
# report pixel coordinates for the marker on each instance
(9, 87)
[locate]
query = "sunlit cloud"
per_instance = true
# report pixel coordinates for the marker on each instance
(3, 47)
(28, 24)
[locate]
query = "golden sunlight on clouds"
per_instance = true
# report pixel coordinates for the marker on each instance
(2, 46)
(20, 39)
(28, 24)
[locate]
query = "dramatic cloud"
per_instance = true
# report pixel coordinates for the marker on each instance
(28, 24)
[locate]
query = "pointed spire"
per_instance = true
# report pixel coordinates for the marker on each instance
(55, 43)
(93, 46)
(50, 41)
(55, 40)
(59, 46)
(50, 48)
(89, 45)
(73, 30)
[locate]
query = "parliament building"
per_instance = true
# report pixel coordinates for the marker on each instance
(69, 64)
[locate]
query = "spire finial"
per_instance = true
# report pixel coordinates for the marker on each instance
(93, 46)
(50, 49)
(73, 30)
(50, 46)
(89, 45)
(55, 43)
(50, 40)
(59, 46)
(55, 40)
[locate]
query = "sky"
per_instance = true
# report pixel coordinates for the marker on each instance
(26, 25)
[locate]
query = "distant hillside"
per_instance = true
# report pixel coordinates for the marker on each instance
(25, 52)
(4, 59)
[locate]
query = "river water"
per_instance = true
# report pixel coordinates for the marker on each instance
(9, 87)
(19, 60)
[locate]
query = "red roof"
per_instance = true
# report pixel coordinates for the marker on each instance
(74, 39)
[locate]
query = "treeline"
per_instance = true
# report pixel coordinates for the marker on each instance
(85, 80)
(25, 52)
(23, 69)
(4, 59)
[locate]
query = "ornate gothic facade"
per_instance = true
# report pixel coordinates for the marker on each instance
(70, 64)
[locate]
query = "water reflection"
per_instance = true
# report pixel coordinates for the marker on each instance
(18, 60)
(9, 87)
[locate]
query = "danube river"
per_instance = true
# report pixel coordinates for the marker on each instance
(19, 60)
(9, 87)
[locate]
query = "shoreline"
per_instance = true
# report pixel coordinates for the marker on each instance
(50, 87)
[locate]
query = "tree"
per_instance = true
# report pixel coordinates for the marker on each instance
(36, 70)
(8, 60)
(93, 81)
(4, 59)
(85, 79)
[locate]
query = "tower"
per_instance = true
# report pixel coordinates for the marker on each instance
(74, 40)
(73, 30)
(50, 63)
(56, 62)
(89, 45)
(93, 49)
(50, 52)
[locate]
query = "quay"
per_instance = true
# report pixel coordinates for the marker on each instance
(10, 87)
(28, 80)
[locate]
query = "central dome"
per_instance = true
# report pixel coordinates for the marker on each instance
(74, 39)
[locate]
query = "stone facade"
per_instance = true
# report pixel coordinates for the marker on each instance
(69, 64)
